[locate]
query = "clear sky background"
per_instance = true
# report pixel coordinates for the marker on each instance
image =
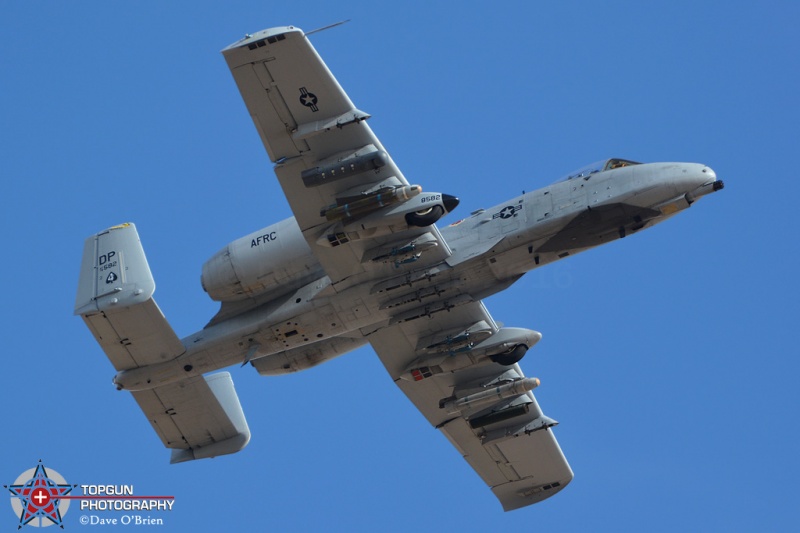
(670, 357)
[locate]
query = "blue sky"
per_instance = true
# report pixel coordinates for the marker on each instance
(670, 357)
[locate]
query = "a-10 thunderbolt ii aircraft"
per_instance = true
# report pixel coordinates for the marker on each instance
(362, 261)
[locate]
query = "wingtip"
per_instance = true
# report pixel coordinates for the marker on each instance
(263, 37)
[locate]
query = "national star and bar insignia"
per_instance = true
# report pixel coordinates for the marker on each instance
(507, 212)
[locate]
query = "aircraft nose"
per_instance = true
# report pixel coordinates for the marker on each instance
(692, 176)
(450, 202)
(705, 182)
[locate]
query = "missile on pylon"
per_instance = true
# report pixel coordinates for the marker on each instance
(358, 206)
(465, 340)
(402, 251)
(492, 394)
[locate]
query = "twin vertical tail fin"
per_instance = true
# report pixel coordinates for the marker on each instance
(115, 299)
(197, 417)
(114, 271)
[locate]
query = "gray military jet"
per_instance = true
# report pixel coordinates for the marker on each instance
(362, 261)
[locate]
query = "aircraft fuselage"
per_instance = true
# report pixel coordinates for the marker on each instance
(491, 249)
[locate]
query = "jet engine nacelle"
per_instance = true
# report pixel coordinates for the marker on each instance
(274, 259)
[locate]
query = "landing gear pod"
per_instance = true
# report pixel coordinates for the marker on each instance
(506, 347)
(512, 356)
(426, 217)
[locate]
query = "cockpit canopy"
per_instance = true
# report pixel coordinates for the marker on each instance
(599, 166)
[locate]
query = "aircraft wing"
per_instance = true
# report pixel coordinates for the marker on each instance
(326, 155)
(508, 441)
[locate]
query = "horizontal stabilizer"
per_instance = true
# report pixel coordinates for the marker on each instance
(197, 418)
